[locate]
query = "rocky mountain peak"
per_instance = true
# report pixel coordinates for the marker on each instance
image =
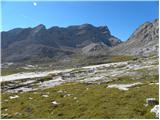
(143, 41)
(86, 26)
(38, 28)
(104, 29)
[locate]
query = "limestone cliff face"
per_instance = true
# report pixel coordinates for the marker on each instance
(144, 41)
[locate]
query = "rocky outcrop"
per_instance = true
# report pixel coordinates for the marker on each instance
(155, 110)
(95, 49)
(143, 42)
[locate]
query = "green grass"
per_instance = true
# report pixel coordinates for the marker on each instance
(123, 80)
(8, 71)
(147, 75)
(121, 58)
(93, 101)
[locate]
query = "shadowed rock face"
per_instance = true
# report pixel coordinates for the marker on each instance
(143, 42)
(22, 44)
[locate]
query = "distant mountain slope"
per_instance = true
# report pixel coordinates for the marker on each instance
(39, 43)
(95, 49)
(143, 42)
(29, 43)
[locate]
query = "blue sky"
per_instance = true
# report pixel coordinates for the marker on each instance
(122, 18)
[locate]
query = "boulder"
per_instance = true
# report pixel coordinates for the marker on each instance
(45, 96)
(55, 104)
(155, 110)
(151, 101)
(13, 97)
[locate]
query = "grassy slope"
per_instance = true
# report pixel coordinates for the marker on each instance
(93, 101)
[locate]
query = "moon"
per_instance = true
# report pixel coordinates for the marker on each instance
(34, 3)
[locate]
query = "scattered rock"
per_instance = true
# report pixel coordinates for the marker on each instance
(155, 110)
(75, 98)
(123, 86)
(17, 113)
(45, 96)
(60, 91)
(55, 104)
(151, 101)
(13, 97)
(51, 83)
(67, 95)
(145, 105)
(88, 75)
(30, 98)
(154, 84)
